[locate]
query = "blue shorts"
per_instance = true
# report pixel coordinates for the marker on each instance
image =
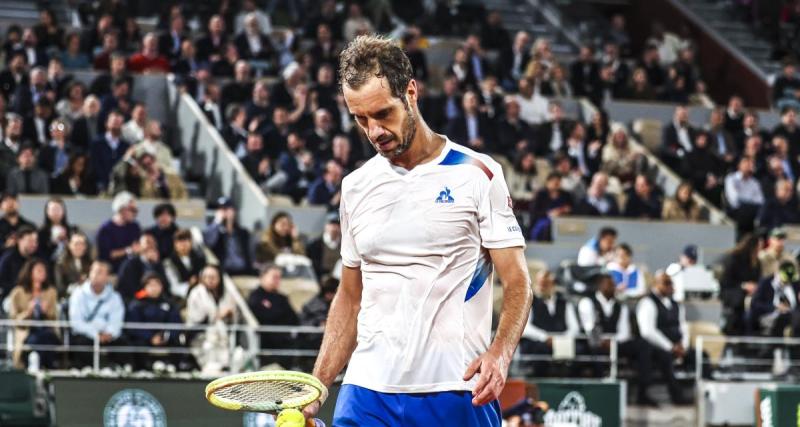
(359, 406)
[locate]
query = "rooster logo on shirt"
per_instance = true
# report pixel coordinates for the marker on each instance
(444, 196)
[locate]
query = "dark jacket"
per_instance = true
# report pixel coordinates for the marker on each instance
(148, 310)
(216, 238)
(11, 262)
(103, 158)
(763, 301)
(272, 308)
(458, 132)
(131, 272)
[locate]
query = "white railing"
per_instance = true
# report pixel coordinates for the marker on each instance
(97, 349)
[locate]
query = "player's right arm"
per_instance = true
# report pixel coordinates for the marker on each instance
(339, 340)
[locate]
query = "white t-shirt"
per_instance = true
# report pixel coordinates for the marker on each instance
(420, 238)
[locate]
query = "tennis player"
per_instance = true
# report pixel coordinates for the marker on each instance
(424, 223)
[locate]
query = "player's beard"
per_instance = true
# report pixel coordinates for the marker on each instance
(409, 130)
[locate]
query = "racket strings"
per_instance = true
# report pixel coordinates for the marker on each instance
(257, 393)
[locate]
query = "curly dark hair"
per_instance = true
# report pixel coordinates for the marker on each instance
(375, 56)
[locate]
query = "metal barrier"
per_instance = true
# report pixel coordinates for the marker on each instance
(97, 349)
(612, 359)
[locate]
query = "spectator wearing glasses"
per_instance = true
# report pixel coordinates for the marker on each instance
(118, 237)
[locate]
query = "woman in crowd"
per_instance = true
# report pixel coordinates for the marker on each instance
(683, 207)
(34, 299)
(70, 107)
(76, 179)
(184, 264)
(208, 304)
(72, 267)
(620, 159)
(56, 230)
(740, 276)
(281, 237)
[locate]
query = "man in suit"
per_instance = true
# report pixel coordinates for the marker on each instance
(750, 128)
(472, 128)
(27, 95)
(445, 107)
(211, 45)
(252, 44)
(36, 128)
(720, 140)
(597, 201)
(26, 178)
(782, 151)
(13, 75)
(774, 306)
(584, 73)
(240, 89)
(36, 55)
(108, 149)
(677, 138)
(513, 134)
(513, 62)
(552, 135)
(170, 43)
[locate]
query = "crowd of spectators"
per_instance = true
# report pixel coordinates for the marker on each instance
(271, 92)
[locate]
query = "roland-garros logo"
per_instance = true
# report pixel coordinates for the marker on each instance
(572, 412)
(134, 407)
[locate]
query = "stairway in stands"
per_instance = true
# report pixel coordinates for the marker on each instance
(539, 19)
(720, 17)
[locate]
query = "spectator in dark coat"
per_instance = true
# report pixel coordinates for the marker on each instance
(26, 178)
(775, 302)
(677, 137)
(597, 201)
(643, 200)
(164, 229)
(325, 189)
(211, 45)
(549, 203)
(184, 264)
(229, 242)
(740, 275)
(324, 251)
(151, 306)
(107, 150)
(272, 308)
(780, 209)
(704, 169)
(12, 260)
(584, 73)
(315, 311)
(135, 266)
(511, 132)
(471, 128)
(11, 221)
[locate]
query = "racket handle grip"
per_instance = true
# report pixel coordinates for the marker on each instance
(315, 422)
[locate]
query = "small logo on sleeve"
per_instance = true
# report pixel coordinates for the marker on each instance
(445, 197)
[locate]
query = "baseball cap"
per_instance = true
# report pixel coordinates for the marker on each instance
(224, 202)
(778, 233)
(690, 251)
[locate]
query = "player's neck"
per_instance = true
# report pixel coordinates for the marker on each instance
(426, 146)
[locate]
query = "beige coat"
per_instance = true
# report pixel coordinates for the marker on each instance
(671, 211)
(20, 300)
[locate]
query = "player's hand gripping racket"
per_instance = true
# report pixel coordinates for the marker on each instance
(278, 392)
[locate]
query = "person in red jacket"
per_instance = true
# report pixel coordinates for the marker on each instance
(149, 60)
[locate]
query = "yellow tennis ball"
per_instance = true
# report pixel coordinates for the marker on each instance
(290, 418)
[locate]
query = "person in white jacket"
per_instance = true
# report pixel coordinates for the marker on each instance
(96, 310)
(209, 304)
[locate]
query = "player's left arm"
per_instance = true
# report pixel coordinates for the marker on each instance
(517, 297)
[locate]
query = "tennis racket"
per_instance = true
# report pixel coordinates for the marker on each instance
(266, 391)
